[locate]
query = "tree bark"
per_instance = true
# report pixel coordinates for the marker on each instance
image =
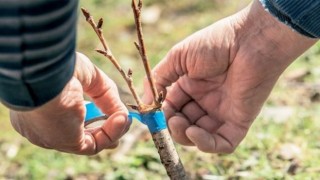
(168, 155)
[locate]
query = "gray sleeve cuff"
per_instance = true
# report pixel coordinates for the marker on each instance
(37, 51)
(301, 15)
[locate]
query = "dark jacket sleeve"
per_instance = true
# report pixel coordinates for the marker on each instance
(302, 15)
(37, 50)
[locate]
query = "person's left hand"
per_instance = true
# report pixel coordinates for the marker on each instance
(59, 124)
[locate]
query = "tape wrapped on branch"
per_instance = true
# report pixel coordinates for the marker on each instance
(154, 120)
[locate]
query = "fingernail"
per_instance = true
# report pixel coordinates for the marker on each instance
(127, 125)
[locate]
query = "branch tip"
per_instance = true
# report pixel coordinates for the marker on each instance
(85, 13)
(136, 7)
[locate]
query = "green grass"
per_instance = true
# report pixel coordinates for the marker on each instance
(259, 156)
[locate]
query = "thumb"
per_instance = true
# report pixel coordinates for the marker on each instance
(166, 72)
(98, 86)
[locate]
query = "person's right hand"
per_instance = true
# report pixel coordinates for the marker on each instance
(218, 78)
(59, 123)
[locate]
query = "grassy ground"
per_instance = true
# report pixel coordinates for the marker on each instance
(282, 144)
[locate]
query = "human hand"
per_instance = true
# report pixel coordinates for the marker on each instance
(59, 124)
(218, 78)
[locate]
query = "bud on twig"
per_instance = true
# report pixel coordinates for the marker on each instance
(129, 73)
(100, 23)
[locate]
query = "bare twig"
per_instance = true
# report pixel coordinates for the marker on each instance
(127, 77)
(107, 53)
(96, 28)
(142, 51)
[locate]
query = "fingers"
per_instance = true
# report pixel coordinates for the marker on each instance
(98, 86)
(109, 134)
(105, 94)
(179, 100)
(177, 97)
(193, 111)
(165, 73)
(147, 97)
(105, 137)
(169, 69)
(224, 140)
(178, 126)
(205, 132)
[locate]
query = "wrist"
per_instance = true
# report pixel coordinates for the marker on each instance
(299, 15)
(267, 36)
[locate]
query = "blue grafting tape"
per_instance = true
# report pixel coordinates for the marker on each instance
(135, 115)
(155, 121)
(92, 111)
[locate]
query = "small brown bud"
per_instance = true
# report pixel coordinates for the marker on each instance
(101, 51)
(137, 46)
(140, 5)
(134, 107)
(129, 72)
(161, 97)
(100, 23)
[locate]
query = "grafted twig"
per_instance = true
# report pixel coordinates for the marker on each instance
(142, 51)
(108, 53)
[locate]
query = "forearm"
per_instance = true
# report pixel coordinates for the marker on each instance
(37, 46)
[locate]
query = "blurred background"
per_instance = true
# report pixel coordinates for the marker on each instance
(283, 143)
